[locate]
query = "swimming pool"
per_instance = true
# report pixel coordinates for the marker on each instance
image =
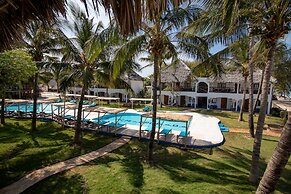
(47, 108)
(134, 119)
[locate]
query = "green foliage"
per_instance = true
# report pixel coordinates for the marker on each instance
(175, 171)
(22, 151)
(16, 66)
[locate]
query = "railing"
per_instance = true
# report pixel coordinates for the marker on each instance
(222, 90)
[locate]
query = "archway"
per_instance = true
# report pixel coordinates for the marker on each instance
(202, 87)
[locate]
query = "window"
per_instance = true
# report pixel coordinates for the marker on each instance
(221, 85)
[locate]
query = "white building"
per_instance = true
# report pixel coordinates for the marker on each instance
(134, 80)
(181, 89)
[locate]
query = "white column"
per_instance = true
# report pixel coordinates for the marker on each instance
(207, 101)
(237, 89)
(195, 105)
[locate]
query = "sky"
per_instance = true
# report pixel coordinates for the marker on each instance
(102, 16)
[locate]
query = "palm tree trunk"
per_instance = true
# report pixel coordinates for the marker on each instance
(251, 89)
(160, 86)
(254, 172)
(35, 95)
(154, 110)
(259, 90)
(240, 118)
(278, 160)
(3, 110)
(77, 137)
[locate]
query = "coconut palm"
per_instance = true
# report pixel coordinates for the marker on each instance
(158, 38)
(272, 23)
(55, 70)
(278, 161)
(16, 16)
(88, 50)
(39, 41)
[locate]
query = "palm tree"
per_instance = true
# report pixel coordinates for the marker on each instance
(158, 38)
(272, 23)
(39, 41)
(16, 15)
(55, 70)
(88, 51)
(278, 161)
(245, 74)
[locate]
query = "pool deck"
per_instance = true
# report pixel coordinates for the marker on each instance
(204, 131)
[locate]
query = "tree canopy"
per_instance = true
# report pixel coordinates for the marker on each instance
(16, 66)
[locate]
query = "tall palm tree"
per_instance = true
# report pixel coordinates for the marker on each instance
(88, 51)
(158, 38)
(56, 70)
(278, 161)
(272, 23)
(39, 41)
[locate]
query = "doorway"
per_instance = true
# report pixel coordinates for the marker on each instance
(223, 103)
(202, 102)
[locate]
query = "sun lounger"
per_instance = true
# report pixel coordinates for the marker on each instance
(85, 103)
(92, 104)
(147, 109)
(224, 129)
(165, 132)
(220, 125)
(182, 134)
(73, 101)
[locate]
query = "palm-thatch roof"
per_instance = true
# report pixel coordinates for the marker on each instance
(176, 73)
(131, 75)
(236, 76)
(16, 14)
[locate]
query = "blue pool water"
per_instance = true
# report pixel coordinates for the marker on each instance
(134, 119)
(14, 107)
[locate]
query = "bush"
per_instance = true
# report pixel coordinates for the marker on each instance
(275, 112)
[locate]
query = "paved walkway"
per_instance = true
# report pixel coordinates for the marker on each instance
(40, 174)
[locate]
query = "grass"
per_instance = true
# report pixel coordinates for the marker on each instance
(22, 151)
(175, 170)
(228, 118)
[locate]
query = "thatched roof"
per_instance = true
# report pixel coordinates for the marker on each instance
(236, 76)
(131, 75)
(177, 73)
(16, 14)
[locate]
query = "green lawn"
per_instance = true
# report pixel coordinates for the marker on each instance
(175, 171)
(228, 118)
(22, 151)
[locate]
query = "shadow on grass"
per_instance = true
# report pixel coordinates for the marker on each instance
(26, 151)
(61, 183)
(192, 167)
(268, 139)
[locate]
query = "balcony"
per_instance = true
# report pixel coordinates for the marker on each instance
(222, 90)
